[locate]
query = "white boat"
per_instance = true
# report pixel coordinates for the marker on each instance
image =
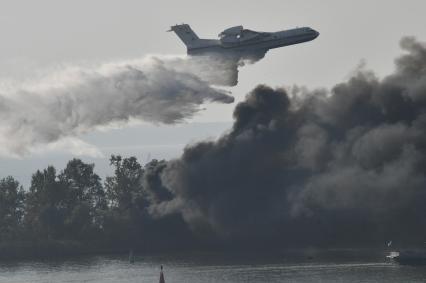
(408, 257)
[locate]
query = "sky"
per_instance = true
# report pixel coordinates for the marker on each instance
(42, 37)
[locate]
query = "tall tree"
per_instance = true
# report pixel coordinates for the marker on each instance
(124, 189)
(11, 207)
(84, 198)
(45, 206)
(126, 201)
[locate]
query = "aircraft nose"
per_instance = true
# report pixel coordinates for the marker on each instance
(316, 33)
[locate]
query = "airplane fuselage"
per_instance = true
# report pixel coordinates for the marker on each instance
(265, 42)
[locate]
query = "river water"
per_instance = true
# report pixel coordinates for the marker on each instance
(214, 267)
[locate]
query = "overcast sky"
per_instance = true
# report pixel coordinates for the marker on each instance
(40, 37)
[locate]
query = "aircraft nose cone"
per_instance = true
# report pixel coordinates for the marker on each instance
(316, 34)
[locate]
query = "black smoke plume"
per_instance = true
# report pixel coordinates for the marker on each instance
(345, 166)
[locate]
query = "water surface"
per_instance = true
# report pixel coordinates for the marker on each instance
(214, 267)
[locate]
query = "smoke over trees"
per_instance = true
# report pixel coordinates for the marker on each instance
(339, 167)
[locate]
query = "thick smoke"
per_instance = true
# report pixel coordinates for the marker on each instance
(346, 166)
(159, 90)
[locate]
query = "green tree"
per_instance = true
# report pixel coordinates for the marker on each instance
(84, 199)
(11, 208)
(124, 191)
(45, 206)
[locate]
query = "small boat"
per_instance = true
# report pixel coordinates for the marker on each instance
(409, 257)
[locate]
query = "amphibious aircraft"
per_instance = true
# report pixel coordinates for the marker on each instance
(242, 43)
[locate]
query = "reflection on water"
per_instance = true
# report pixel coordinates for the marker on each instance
(316, 267)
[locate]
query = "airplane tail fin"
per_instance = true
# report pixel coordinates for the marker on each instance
(186, 34)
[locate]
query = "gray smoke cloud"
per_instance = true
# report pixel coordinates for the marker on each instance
(156, 89)
(345, 166)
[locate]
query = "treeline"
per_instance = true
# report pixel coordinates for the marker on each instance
(73, 211)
